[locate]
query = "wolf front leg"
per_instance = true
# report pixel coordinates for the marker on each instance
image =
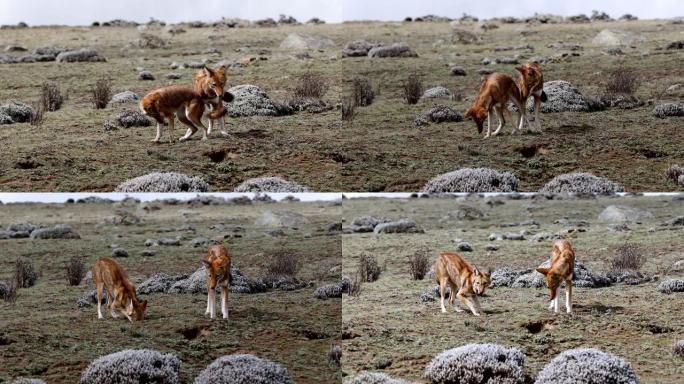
(99, 301)
(224, 301)
(159, 132)
(568, 296)
(470, 302)
(442, 288)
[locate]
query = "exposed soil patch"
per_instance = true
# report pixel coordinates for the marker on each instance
(195, 331)
(216, 155)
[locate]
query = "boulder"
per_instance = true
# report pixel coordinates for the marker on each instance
(125, 97)
(395, 50)
(358, 48)
(18, 112)
(243, 368)
(562, 97)
(59, 231)
(400, 226)
(250, 100)
(80, 55)
(664, 110)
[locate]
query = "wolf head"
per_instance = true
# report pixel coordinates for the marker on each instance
(136, 309)
(478, 114)
(211, 81)
(553, 280)
(532, 77)
(480, 281)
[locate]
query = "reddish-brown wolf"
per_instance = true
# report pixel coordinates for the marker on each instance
(531, 82)
(163, 103)
(495, 92)
(121, 297)
(202, 83)
(217, 263)
(562, 269)
(465, 281)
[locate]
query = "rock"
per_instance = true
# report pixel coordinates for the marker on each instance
(281, 219)
(148, 253)
(622, 214)
(485, 71)
(675, 45)
(21, 227)
(420, 121)
(145, 75)
(16, 111)
(562, 97)
(81, 55)
(395, 50)
(301, 41)
(472, 180)
(275, 232)
(59, 231)
(400, 226)
(437, 92)
(250, 100)
(165, 241)
(618, 227)
(202, 242)
(358, 48)
(675, 221)
(608, 37)
(269, 184)
(159, 282)
(125, 97)
(661, 110)
(15, 48)
(196, 283)
(463, 35)
(163, 182)
(173, 76)
(119, 252)
(464, 247)
(582, 184)
(491, 247)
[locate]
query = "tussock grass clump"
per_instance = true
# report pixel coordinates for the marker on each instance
(75, 271)
(101, 94)
(243, 368)
(284, 263)
(477, 363)
(335, 355)
(664, 110)
(355, 284)
(419, 265)
(629, 256)
(24, 274)
(328, 291)
(413, 89)
(348, 109)
(673, 172)
(310, 85)
(589, 366)
(362, 92)
(369, 269)
(621, 81)
(132, 366)
(9, 293)
(51, 97)
(472, 180)
(38, 113)
(671, 286)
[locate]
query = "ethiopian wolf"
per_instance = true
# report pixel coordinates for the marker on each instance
(109, 275)
(561, 269)
(217, 263)
(465, 281)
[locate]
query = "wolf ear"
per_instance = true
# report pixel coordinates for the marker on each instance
(476, 272)
(129, 307)
(520, 69)
(207, 71)
(543, 271)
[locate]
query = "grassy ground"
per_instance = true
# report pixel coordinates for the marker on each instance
(45, 335)
(380, 151)
(394, 332)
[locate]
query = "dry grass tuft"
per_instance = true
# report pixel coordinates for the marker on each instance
(101, 94)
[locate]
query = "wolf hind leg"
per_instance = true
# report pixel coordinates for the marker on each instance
(453, 289)
(442, 289)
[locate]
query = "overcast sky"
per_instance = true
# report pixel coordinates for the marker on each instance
(83, 12)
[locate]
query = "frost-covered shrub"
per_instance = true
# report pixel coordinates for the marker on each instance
(472, 180)
(562, 97)
(133, 366)
(374, 378)
(671, 286)
(83, 54)
(328, 290)
(269, 184)
(441, 113)
(369, 268)
(587, 366)
(581, 183)
(243, 368)
(59, 231)
(16, 111)
(250, 100)
(399, 226)
(678, 348)
(477, 363)
(664, 110)
(22, 380)
(395, 50)
(164, 182)
(126, 119)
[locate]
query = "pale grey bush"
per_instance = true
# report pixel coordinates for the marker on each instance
(16, 111)
(159, 282)
(327, 291)
(678, 348)
(671, 286)
(400, 226)
(83, 54)
(582, 183)
(395, 50)
(437, 92)
(374, 378)
(126, 119)
(197, 283)
(133, 366)
(243, 369)
(23, 380)
(587, 366)
(59, 231)
(505, 277)
(250, 100)
(269, 184)
(664, 110)
(163, 182)
(476, 364)
(441, 113)
(124, 97)
(472, 180)
(562, 97)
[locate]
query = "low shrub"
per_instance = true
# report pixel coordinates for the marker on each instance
(413, 89)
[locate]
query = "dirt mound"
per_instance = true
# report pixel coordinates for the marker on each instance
(472, 180)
